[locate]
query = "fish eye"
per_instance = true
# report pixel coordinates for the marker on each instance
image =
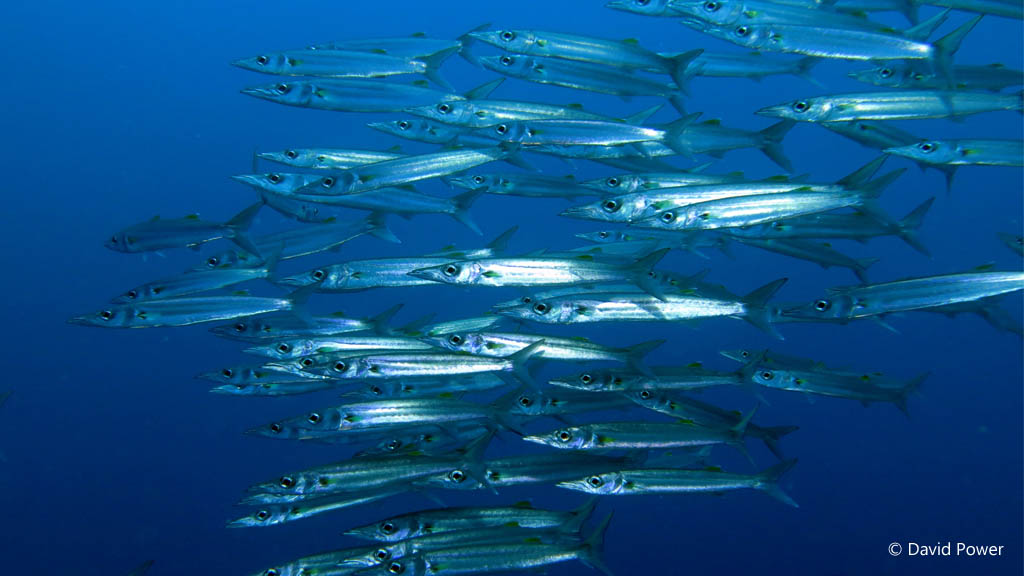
(711, 6)
(283, 88)
(527, 299)
(132, 294)
(394, 445)
(501, 128)
(507, 60)
(564, 435)
(822, 305)
(403, 125)
(602, 235)
(612, 182)
(227, 372)
(212, 261)
(274, 178)
(272, 572)
(444, 108)
(376, 390)
(262, 515)
(767, 375)
(291, 154)
(525, 401)
(340, 366)
(113, 239)
(313, 417)
(541, 308)
(742, 31)
(240, 327)
(287, 482)
(801, 106)
(586, 378)
(885, 72)
(318, 275)
(284, 348)
(457, 476)
(611, 206)
(642, 2)
(382, 554)
(478, 179)
(745, 354)
(451, 270)
(508, 36)
(595, 481)
(275, 428)
(106, 314)
(307, 362)
(387, 528)
(396, 568)
(645, 394)
(668, 217)
(261, 60)
(327, 182)
(923, 146)
(455, 339)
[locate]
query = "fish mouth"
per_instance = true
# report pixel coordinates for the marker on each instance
(695, 23)
(293, 281)
(535, 439)
(264, 93)
(83, 320)
(380, 126)
(426, 274)
(245, 63)
(225, 389)
(421, 111)
(775, 111)
(580, 212)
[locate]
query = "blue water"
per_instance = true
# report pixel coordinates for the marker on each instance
(112, 454)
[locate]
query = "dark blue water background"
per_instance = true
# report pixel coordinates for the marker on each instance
(116, 111)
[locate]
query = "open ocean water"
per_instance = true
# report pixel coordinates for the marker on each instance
(112, 453)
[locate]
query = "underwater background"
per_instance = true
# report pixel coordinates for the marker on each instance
(112, 453)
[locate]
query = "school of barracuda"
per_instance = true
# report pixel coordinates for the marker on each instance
(425, 399)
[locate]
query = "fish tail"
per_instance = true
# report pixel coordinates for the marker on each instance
(768, 481)
(681, 68)
(298, 300)
(382, 322)
(911, 224)
(484, 90)
(574, 525)
(520, 363)
(378, 227)
(861, 176)
(920, 32)
(771, 138)
(239, 225)
(909, 10)
(415, 327)
(271, 262)
(500, 244)
(643, 276)
(461, 210)
(434, 62)
(635, 355)
(912, 387)
(758, 313)
(771, 436)
(861, 269)
(947, 46)
(466, 43)
(640, 117)
(592, 551)
(803, 70)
